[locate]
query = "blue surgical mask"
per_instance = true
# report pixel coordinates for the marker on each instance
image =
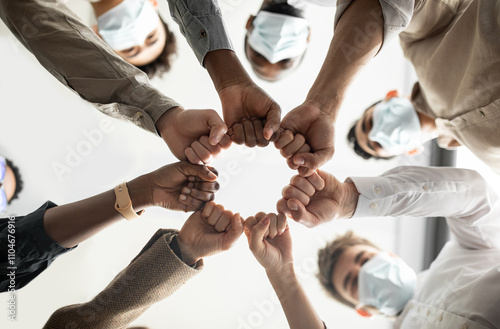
(387, 283)
(278, 37)
(3, 196)
(396, 126)
(128, 24)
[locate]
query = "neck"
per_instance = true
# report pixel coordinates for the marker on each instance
(104, 6)
(427, 123)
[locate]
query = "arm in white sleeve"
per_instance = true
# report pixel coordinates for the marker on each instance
(79, 59)
(397, 15)
(471, 207)
(200, 21)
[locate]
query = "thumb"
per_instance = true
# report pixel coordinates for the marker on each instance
(273, 119)
(234, 232)
(257, 234)
(299, 213)
(217, 127)
(189, 169)
(313, 160)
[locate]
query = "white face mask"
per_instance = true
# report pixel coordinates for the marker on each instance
(128, 24)
(386, 283)
(278, 37)
(396, 126)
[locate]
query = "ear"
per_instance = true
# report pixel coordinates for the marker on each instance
(364, 313)
(154, 3)
(391, 94)
(250, 22)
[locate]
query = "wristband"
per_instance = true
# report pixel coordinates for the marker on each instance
(123, 204)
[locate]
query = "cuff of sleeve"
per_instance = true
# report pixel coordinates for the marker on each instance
(375, 198)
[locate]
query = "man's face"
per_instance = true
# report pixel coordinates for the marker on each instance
(149, 50)
(9, 183)
(262, 67)
(345, 274)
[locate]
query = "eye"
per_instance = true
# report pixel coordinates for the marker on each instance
(128, 50)
(151, 35)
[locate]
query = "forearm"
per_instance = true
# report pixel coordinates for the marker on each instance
(357, 38)
(298, 309)
(71, 224)
(225, 69)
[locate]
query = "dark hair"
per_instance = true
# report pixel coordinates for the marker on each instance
(285, 9)
(162, 63)
(329, 256)
(353, 141)
(19, 180)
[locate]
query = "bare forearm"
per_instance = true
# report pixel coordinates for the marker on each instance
(225, 68)
(357, 39)
(71, 224)
(299, 312)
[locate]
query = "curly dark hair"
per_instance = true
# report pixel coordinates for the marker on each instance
(329, 256)
(162, 63)
(19, 180)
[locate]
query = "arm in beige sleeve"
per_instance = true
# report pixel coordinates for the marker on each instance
(79, 59)
(152, 276)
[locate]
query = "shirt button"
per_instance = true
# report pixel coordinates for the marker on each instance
(138, 115)
(377, 190)
(203, 34)
(426, 188)
(373, 205)
(440, 317)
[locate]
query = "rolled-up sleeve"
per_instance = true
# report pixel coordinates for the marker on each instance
(79, 59)
(397, 15)
(201, 23)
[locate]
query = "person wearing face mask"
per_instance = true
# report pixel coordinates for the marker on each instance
(11, 183)
(136, 32)
(392, 127)
(454, 48)
(460, 288)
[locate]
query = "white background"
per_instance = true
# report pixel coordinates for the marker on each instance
(43, 123)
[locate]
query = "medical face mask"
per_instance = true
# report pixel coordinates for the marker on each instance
(396, 126)
(386, 283)
(3, 196)
(128, 24)
(278, 37)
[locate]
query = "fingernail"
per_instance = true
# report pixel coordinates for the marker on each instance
(269, 132)
(293, 206)
(182, 197)
(299, 161)
(186, 191)
(191, 178)
(212, 175)
(266, 220)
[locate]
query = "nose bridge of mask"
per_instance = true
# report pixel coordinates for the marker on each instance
(128, 24)
(3, 199)
(278, 36)
(3, 168)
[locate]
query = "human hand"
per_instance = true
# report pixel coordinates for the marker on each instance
(208, 232)
(182, 186)
(252, 116)
(290, 144)
(269, 240)
(317, 127)
(317, 199)
(183, 131)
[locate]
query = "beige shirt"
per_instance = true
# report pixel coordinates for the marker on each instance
(455, 49)
(79, 59)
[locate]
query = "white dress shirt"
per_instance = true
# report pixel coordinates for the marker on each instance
(461, 289)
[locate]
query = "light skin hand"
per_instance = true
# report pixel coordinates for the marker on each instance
(316, 126)
(202, 152)
(311, 202)
(181, 129)
(182, 186)
(274, 254)
(208, 232)
(253, 116)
